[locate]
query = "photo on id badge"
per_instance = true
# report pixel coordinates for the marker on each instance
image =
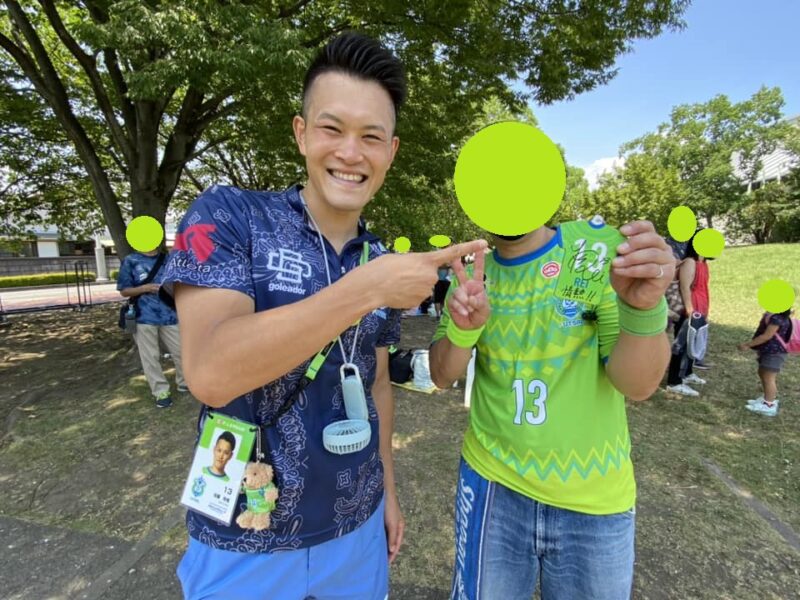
(216, 474)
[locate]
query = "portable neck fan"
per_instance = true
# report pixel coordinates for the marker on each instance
(352, 434)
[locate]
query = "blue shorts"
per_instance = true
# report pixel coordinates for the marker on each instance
(507, 543)
(352, 567)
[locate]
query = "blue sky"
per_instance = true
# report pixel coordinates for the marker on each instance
(729, 47)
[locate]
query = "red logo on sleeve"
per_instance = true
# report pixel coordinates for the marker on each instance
(197, 237)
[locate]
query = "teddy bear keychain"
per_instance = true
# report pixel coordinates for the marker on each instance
(260, 491)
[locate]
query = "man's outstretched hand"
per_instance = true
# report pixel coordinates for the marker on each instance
(405, 280)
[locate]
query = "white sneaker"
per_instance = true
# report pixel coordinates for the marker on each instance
(693, 378)
(758, 400)
(765, 409)
(682, 389)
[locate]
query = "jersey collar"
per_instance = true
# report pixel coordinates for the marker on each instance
(526, 258)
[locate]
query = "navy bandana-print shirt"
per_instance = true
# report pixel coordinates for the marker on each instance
(152, 310)
(261, 244)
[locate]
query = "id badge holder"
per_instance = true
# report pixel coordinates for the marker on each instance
(218, 467)
(589, 248)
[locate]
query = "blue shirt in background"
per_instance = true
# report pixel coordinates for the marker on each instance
(132, 273)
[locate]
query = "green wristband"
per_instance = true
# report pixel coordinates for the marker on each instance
(463, 338)
(643, 322)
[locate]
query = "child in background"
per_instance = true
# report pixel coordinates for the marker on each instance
(771, 355)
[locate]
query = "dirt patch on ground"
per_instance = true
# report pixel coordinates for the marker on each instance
(87, 451)
(84, 446)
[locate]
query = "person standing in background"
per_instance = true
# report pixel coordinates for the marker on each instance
(155, 320)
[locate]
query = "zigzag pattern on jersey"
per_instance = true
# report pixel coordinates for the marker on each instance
(534, 341)
(545, 366)
(582, 466)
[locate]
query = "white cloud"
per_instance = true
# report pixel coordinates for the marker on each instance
(601, 165)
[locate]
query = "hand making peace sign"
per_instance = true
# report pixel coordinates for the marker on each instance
(468, 305)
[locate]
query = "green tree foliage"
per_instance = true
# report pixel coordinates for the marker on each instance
(41, 178)
(771, 213)
(642, 189)
(143, 88)
(577, 197)
(702, 142)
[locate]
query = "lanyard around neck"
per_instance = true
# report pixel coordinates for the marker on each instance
(363, 261)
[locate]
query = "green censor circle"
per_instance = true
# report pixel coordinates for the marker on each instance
(439, 241)
(776, 296)
(144, 234)
(402, 245)
(510, 178)
(681, 223)
(709, 243)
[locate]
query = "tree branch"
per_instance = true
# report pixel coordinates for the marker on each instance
(121, 89)
(206, 148)
(213, 102)
(193, 179)
(24, 60)
(229, 168)
(117, 160)
(49, 85)
(89, 66)
(210, 117)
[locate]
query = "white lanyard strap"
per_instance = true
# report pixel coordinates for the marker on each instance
(328, 275)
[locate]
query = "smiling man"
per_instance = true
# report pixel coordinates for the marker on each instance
(263, 282)
(223, 452)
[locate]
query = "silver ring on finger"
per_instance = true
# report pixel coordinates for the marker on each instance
(660, 271)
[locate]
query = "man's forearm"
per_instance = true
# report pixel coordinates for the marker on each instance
(245, 352)
(132, 292)
(448, 362)
(637, 364)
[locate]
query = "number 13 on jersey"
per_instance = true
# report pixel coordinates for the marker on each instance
(537, 394)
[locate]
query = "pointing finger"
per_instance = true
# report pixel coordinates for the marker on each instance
(477, 273)
(451, 253)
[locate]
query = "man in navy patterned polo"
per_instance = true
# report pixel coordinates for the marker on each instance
(262, 282)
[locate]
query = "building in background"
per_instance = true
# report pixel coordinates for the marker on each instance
(774, 166)
(45, 252)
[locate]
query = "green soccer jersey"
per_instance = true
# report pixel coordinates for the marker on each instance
(545, 419)
(208, 471)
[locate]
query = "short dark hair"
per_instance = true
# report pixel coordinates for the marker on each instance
(361, 57)
(227, 436)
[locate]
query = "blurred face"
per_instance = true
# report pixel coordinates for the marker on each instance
(347, 140)
(222, 454)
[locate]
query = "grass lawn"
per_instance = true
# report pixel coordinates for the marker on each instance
(84, 448)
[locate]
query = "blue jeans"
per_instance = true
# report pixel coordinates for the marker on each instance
(506, 543)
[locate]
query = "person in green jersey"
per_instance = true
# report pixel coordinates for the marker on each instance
(546, 493)
(223, 452)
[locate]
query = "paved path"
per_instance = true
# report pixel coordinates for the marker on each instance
(34, 298)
